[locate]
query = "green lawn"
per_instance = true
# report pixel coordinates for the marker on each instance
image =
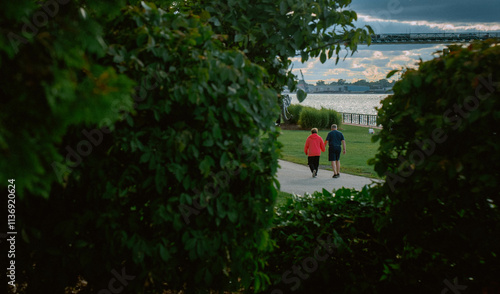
(359, 149)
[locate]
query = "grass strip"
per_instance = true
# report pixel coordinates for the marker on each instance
(359, 149)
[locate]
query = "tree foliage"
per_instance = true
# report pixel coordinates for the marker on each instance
(380, 84)
(286, 28)
(171, 182)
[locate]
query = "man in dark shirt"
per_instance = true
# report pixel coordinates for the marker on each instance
(334, 139)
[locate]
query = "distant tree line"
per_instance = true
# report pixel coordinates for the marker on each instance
(137, 138)
(380, 84)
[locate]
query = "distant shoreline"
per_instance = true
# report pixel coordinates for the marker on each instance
(363, 103)
(354, 93)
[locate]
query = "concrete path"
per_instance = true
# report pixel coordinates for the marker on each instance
(297, 179)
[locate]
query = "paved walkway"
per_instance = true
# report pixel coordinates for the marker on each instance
(297, 179)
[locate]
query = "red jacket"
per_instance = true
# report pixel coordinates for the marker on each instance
(314, 145)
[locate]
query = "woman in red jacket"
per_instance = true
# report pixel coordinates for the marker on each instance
(313, 148)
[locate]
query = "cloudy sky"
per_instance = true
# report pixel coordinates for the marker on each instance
(402, 16)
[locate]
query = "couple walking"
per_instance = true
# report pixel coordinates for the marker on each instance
(315, 145)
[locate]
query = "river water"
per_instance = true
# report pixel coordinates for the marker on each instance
(347, 103)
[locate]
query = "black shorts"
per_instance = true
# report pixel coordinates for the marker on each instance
(334, 153)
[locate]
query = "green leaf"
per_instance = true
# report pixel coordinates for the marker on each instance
(238, 61)
(232, 215)
(301, 95)
(283, 7)
(215, 21)
(206, 164)
(391, 73)
(221, 212)
(239, 38)
(224, 159)
(322, 57)
(147, 6)
(81, 244)
(164, 254)
(208, 142)
(145, 157)
(327, 193)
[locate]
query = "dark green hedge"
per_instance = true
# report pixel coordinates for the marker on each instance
(326, 244)
(179, 194)
(440, 153)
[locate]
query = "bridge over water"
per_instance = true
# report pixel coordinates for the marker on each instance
(427, 38)
(432, 38)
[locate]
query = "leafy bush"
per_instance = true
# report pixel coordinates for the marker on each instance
(319, 118)
(178, 194)
(331, 117)
(294, 110)
(309, 118)
(440, 153)
(326, 241)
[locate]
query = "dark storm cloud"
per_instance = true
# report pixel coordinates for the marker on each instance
(454, 11)
(402, 17)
